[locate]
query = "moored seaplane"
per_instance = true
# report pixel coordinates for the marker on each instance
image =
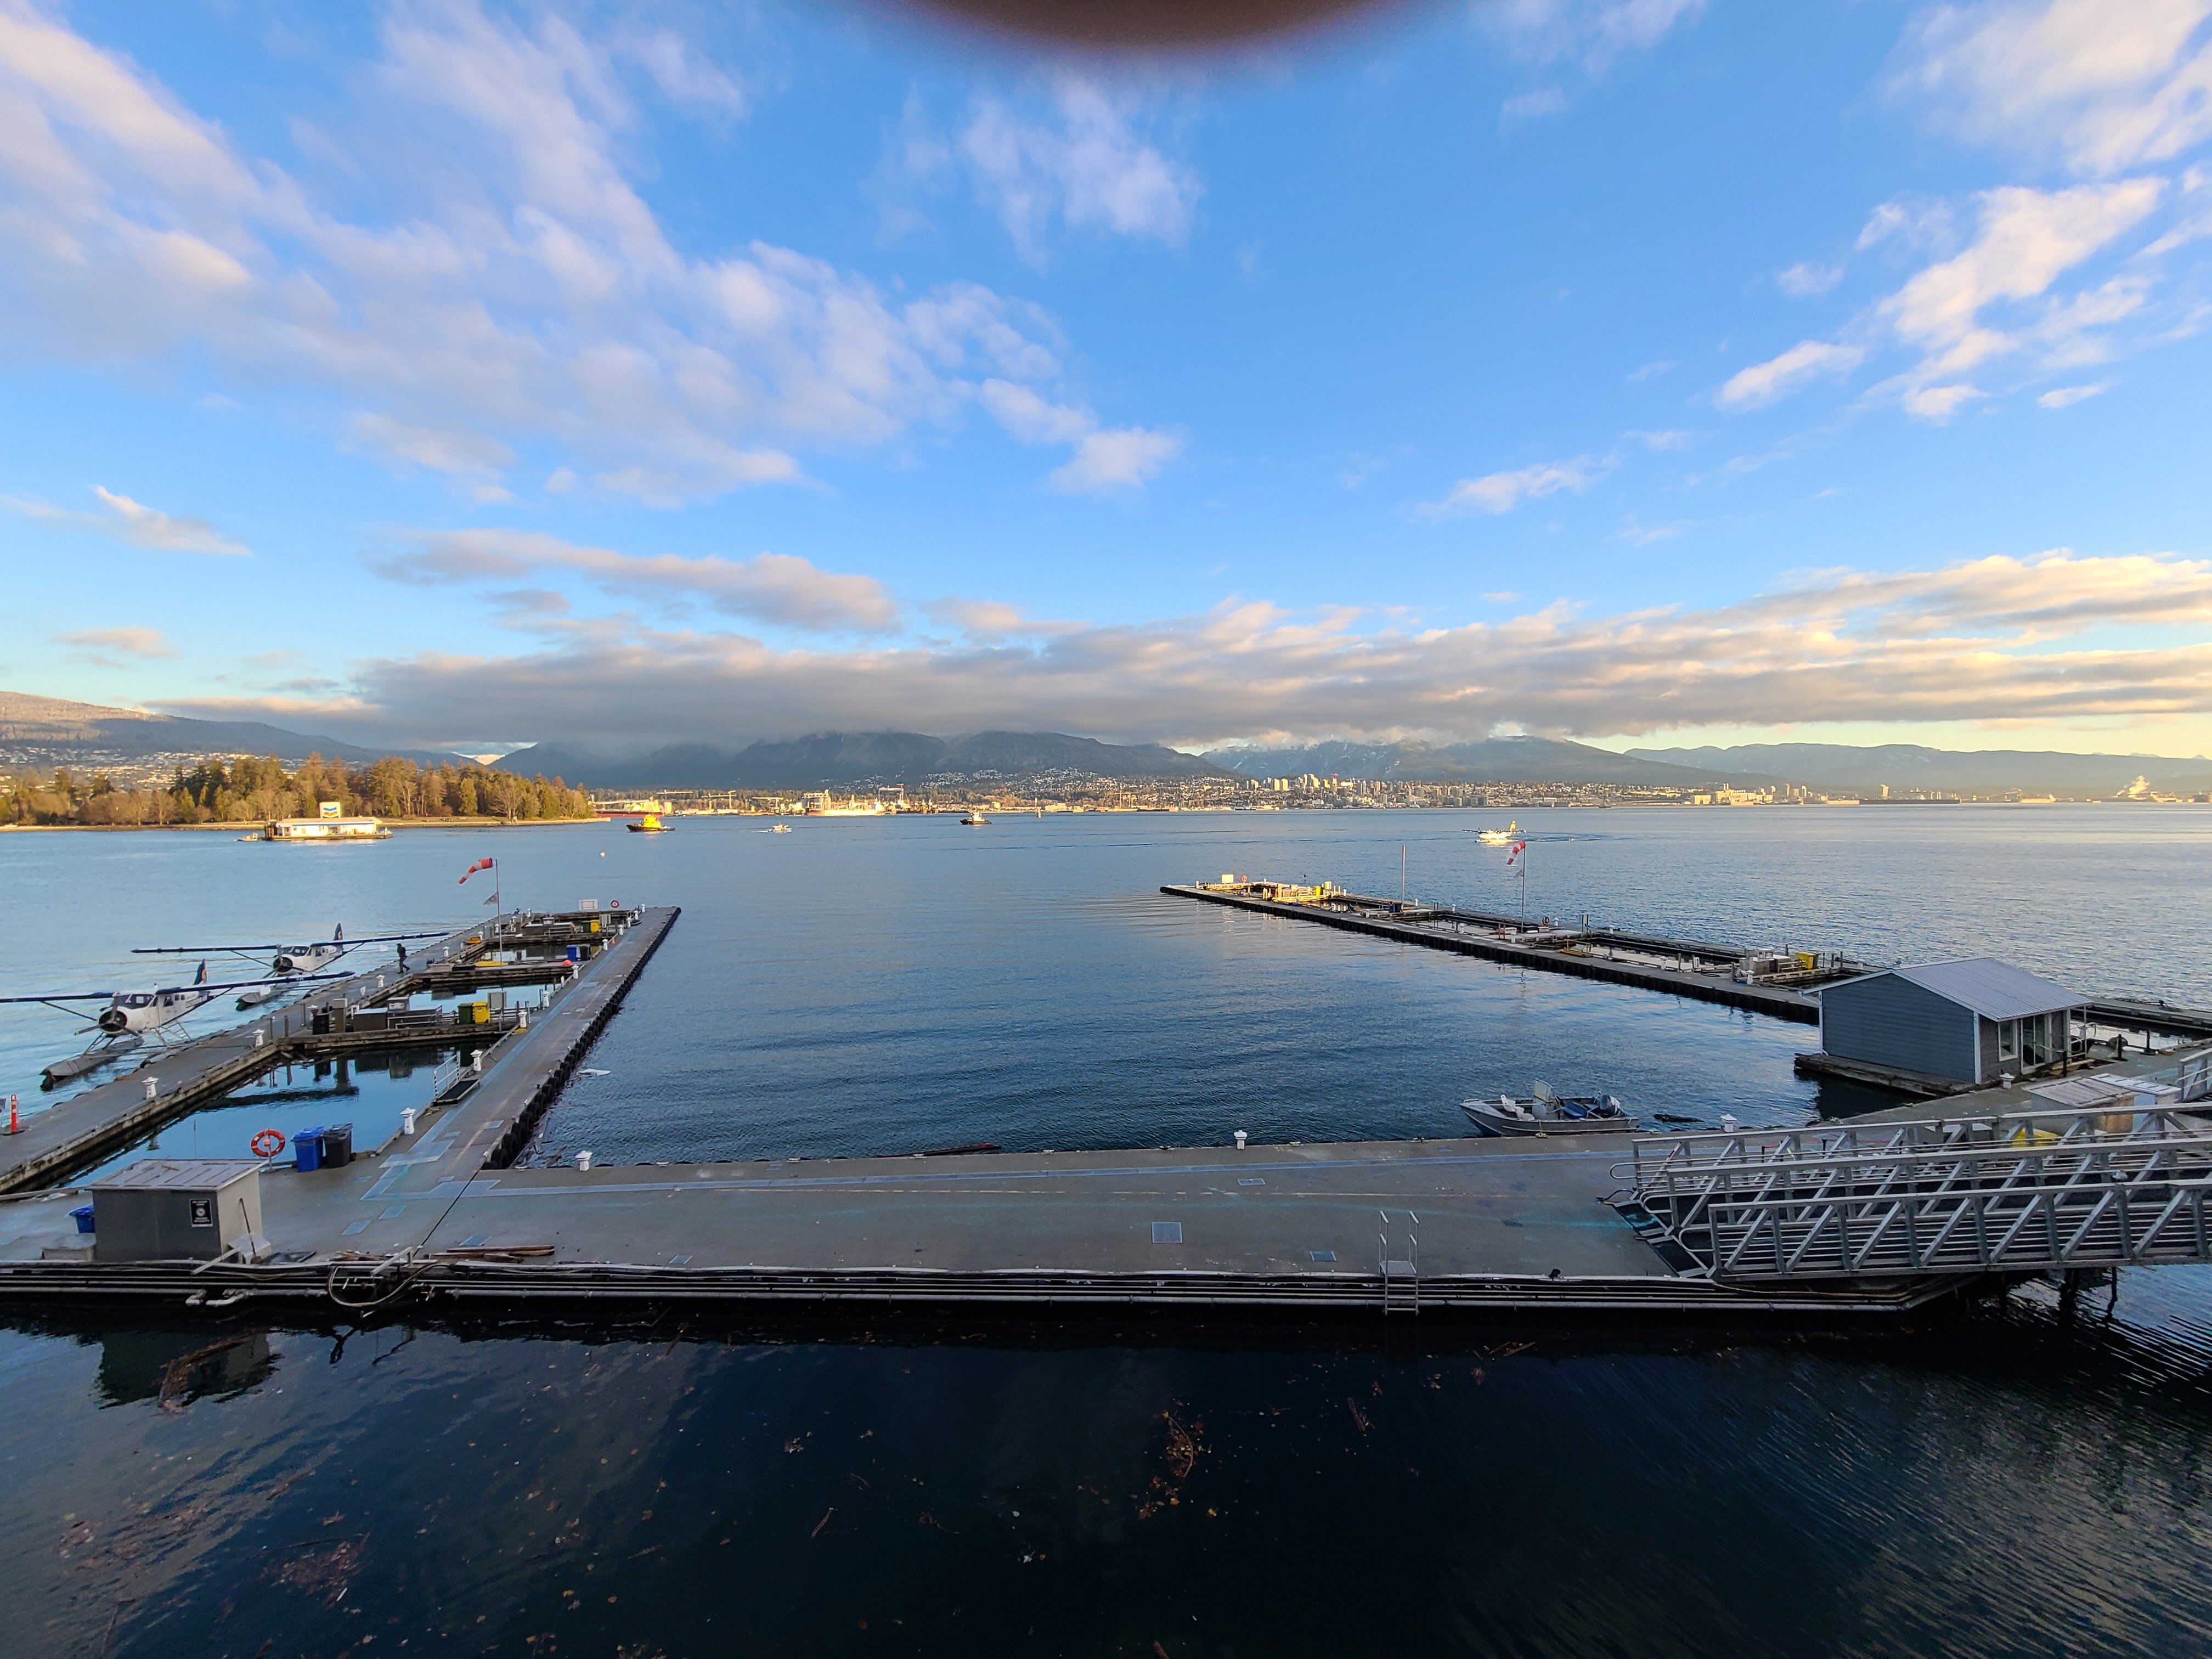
(289, 961)
(1504, 837)
(131, 1017)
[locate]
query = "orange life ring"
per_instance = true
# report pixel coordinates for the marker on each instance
(268, 1143)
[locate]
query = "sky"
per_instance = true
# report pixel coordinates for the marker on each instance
(1645, 371)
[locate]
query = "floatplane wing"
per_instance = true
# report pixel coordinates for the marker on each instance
(58, 998)
(279, 944)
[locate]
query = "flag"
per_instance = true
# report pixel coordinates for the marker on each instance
(494, 899)
(481, 864)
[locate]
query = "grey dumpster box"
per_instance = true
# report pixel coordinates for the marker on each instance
(160, 1209)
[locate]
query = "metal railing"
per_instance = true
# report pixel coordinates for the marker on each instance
(2010, 1192)
(1402, 1274)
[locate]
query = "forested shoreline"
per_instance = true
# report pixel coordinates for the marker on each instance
(255, 789)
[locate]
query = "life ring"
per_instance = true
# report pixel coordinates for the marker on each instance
(268, 1143)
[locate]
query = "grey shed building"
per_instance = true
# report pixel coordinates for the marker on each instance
(1969, 1021)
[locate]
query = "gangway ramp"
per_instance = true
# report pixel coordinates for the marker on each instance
(2001, 1192)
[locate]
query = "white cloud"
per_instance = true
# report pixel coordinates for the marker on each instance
(1594, 34)
(405, 446)
(1527, 106)
(1939, 403)
(1996, 640)
(1030, 419)
(1805, 361)
(2105, 84)
(521, 287)
(773, 587)
(1081, 165)
(1501, 492)
(105, 645)
(2066, 397)
(140, 525)
(1121, 458)
(1806, 279)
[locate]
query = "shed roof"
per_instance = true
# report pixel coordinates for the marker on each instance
(1993, 989)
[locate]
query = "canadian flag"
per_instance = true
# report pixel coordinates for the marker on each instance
(481, 864)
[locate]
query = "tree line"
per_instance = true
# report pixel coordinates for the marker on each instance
(255, 789)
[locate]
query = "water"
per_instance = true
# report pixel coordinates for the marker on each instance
(1994, 1483)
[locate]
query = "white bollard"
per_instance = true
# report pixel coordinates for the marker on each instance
(1728, 1122)
(522, 1019)
(1239, 1140)
(407, 1120)
(153, 1087)
(583, 1160)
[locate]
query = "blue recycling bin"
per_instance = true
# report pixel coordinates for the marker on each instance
(82, 1214)
(307, 1149)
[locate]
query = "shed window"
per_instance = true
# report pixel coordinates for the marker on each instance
(2008, 1039)
(2035, 1039)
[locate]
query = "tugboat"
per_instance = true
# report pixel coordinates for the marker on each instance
(974, 816)
(1548, 1114)
(650, 824)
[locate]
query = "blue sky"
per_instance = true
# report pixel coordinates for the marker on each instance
(1642, 371)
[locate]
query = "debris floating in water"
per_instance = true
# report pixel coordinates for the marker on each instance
(594, 1071)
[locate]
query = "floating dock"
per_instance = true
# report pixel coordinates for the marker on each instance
(335, 1019)
(1703, 969)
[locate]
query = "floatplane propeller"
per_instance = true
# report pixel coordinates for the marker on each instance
(288, 961)
(131, 1017)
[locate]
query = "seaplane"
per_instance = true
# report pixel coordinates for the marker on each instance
(289, 963)
(1504, 837)
(131, 1017)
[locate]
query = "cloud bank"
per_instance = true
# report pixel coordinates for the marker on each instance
(2056, 638)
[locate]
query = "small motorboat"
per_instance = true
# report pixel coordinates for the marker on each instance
(650, 824)
(778, 829)
(1504, 837)
(1545, 1113)
(975, 816)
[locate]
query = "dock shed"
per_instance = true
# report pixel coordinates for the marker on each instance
(1970, 1021)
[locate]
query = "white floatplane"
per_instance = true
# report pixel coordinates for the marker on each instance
(1545, 1112)
(1504, 837)
(131, 1017)
(289, 960)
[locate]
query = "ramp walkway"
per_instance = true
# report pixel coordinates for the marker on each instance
(2002, 1191)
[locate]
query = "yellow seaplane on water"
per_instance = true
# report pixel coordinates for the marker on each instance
(1504, 837)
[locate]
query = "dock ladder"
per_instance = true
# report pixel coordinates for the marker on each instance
(1979, 1192)
(1402, 1274)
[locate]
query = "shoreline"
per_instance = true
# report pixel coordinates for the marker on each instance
(255, 825)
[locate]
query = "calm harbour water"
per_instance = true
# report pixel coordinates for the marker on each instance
(1997, 1483)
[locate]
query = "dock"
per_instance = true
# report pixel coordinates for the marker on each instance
(335, 1019)
(1704, 970)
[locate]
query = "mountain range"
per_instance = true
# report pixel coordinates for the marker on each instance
(841, 758)
(1907, 765)
(50, 732)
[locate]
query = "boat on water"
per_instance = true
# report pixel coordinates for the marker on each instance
(1547, 1113)
(650, 824)
(1504, 837)
(778, 829)
(976, 816)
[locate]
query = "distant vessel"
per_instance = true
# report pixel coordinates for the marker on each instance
(975, 816)
(650, 824)
(1504, 837)
(778, 829)
(324, 830)
(1548, 1114)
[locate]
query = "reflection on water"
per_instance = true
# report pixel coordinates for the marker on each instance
(686, 1486)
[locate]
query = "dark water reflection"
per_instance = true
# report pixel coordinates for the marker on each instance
(1999, 1483)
